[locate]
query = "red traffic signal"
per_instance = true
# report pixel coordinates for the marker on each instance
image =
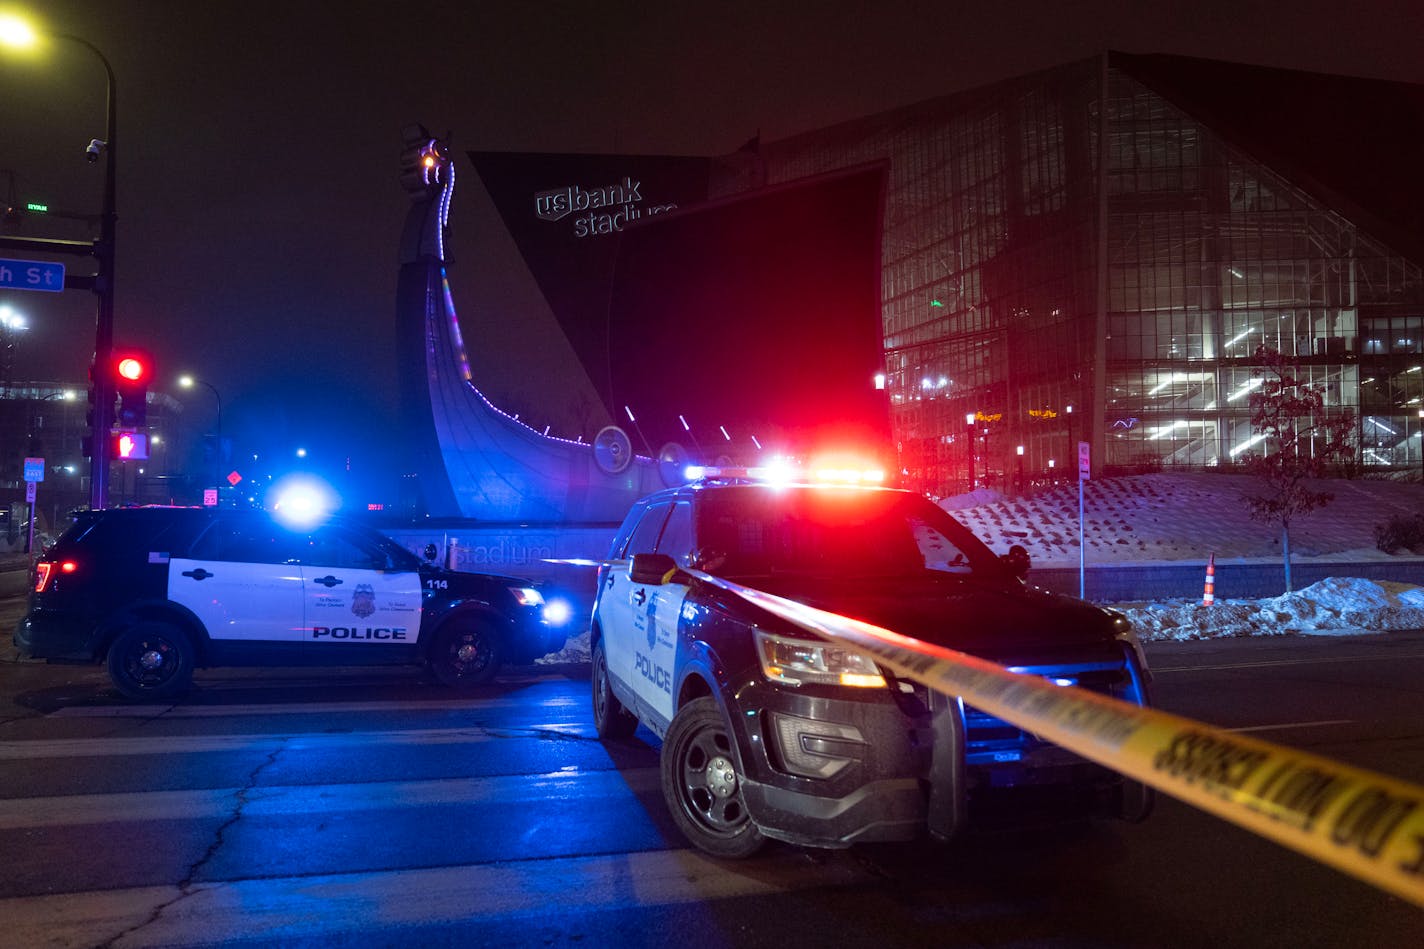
(131, 367)
(131, 370)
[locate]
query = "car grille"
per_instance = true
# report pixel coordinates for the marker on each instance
(991, 740)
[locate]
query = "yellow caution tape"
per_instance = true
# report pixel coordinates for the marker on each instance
(1365, 824)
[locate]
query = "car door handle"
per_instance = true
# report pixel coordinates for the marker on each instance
(640, 597)
(198, 574)
(327, 581)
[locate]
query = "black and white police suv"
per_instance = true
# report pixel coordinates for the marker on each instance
(772, 732)
(158, 591)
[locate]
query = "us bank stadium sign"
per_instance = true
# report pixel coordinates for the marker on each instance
(601, 210)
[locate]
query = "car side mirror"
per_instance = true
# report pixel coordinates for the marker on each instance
(430, 552)
(651, 568)
(1017, 561)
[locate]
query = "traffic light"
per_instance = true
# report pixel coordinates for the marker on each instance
(131, 370)
(128, 446)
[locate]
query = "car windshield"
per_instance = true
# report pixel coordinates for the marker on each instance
(753, 530)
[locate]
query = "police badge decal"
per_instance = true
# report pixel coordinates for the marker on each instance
(363, 600)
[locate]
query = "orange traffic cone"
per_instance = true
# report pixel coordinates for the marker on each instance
(1209, 593)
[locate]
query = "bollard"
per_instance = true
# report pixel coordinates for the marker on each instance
(1209, 592)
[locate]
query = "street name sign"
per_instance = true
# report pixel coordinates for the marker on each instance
(43, 275)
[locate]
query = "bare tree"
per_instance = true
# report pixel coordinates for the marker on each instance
(1298, 441)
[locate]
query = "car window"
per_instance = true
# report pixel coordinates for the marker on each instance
(676, 540)
(248, 541)
(330, 548)
(938, 551)
(645, 535)
(832, 532)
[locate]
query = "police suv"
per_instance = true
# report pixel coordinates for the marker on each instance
(770, 731)
(158, 591)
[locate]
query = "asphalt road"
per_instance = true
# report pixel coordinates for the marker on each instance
(364, 808)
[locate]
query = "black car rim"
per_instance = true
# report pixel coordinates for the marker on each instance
(711, 790)
(151, 662)
(600, 686)
(469, 654)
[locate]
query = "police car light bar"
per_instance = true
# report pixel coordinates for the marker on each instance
(779, 473)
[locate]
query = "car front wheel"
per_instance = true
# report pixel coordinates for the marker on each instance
(151, 661)
(610, 718)
(701, 783)
(466, 653)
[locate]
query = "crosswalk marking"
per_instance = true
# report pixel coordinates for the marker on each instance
(316, 708)
(83, 809)
(329, 906)
(195, 744)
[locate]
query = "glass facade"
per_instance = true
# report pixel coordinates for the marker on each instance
(1042, 253)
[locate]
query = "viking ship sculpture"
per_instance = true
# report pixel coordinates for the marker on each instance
(473, 460)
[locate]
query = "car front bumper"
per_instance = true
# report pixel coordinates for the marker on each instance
(899, 764)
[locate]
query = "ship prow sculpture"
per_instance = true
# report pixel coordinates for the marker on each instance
(473, 460)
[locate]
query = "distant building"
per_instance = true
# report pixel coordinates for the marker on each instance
(49, 420)
(1063, 271)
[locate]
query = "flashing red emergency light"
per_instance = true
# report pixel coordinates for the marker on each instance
(779, 472)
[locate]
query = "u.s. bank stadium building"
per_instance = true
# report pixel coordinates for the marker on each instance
(1089, 253)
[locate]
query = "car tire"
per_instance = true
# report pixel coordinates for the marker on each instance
(151, 660)
(702, 786)
(467, 653)
(1134, 800)
(610, 718)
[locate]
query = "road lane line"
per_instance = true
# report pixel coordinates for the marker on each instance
(1265, 663)
(1273, 728)
(370, 904)
(314, 708)
(305, 741)
(137, 806)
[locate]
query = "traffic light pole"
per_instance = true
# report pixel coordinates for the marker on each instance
(104, 288)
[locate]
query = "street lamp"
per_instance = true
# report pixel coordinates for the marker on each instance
(15, 32)
(188, 382)
(12, 324)
(1421, 446)
(969, 444)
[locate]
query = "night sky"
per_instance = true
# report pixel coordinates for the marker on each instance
(258, 144)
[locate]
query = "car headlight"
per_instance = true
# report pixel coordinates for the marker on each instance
(803, 661)
(527, 596)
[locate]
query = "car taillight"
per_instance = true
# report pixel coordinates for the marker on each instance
(46, 569)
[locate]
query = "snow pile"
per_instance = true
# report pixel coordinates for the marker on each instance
(577, 649)
(1334, 606)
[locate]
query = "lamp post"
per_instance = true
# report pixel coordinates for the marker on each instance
(188, 382)
(14, 32)
(1020, 452)
(1421, 446)
(969, 445)
(12, 324)
(1072, 448)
